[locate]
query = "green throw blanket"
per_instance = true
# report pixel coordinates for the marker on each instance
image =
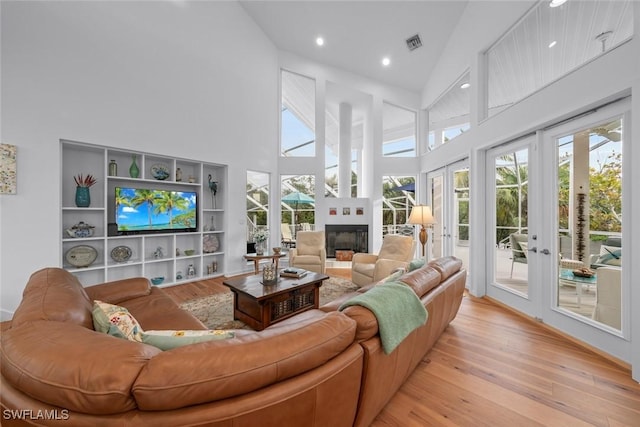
(397, 309)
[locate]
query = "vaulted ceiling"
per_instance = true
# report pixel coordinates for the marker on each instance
(358, 34)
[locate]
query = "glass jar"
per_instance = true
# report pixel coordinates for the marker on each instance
(269, 274)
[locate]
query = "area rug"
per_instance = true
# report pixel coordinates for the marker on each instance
(216, 311)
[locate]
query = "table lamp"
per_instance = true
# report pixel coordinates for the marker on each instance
(421, 214)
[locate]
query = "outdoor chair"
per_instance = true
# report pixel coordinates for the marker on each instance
(287, 236)
(519, 246)
(396, 252)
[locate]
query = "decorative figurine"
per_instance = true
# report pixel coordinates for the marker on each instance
(213, 186)
(191, 271)
(158, 253)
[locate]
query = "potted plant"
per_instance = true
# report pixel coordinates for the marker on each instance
(260, 236)
(83, 183)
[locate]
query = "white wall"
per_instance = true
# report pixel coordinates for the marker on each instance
(598, 82)
(195, 80)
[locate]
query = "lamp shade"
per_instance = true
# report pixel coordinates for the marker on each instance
(421, 214)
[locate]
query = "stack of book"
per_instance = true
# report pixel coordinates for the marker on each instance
(296, 273)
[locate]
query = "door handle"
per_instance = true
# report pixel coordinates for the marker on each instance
(545, 251)
(533, 249)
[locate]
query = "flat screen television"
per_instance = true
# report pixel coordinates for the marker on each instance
(145, 211)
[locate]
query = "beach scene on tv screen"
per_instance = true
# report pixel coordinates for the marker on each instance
(140, 209)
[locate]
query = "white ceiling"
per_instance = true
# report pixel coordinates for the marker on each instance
(358, 34)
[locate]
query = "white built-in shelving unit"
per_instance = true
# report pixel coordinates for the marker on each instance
(173, 265)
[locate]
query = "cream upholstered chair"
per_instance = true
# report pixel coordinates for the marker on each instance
(608, 298)
(310, 252)
(396, 252)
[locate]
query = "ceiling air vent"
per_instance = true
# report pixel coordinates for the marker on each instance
(414, 42)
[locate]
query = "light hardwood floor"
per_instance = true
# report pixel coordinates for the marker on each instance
(492, 367)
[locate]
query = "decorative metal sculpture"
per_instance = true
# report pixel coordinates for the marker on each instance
(213, 186)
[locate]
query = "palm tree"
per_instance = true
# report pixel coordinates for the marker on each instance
(511, 195)
(145, 196)
(121, 199)
(169, 200)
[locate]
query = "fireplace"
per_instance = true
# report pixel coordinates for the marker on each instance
(347, 237)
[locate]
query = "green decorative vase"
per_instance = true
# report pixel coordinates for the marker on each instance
(83, 197)
(134, 172)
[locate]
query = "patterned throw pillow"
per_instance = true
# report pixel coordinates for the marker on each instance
(166, 340)
(118, 322)
(115, 320)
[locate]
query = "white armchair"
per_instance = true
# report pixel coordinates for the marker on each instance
(310, 252)
(396, 252)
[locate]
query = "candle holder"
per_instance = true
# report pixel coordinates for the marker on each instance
(269, 275)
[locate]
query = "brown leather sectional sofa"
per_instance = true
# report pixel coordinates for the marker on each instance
(320, 368)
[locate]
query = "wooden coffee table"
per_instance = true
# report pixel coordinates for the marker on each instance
(260, 306)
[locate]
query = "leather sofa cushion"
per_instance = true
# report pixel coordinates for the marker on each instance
(158, 311)
(222, 369)
(421, 280)
(119, 290)
(54, 294)
(446, 266)
(73, 367)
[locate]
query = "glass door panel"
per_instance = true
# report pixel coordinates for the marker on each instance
(449, 200)
(460, 249)
(511, 215)
(438, 231)
(589, 230)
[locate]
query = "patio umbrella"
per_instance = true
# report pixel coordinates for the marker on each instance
(297, 198)
(407, 187)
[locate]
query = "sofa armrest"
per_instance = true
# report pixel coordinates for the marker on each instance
(119, 290)
(361, 258)
(384, 267)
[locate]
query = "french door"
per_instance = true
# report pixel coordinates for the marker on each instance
(555, 230)
(448, 196)
(512, 233)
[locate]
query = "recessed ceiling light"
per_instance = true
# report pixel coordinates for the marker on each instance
(556, 3)
(465, 85)
(386, 61)
(320, 41)
(552, 44)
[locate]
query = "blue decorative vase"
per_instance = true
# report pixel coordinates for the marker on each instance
(83, 197)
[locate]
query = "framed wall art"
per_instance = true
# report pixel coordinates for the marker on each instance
(8, 169)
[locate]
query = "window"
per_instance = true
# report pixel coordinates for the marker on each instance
(398, 198)
(297, 203)
(257, 200)
(297, 137)
(398, 132)
(449, 115)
